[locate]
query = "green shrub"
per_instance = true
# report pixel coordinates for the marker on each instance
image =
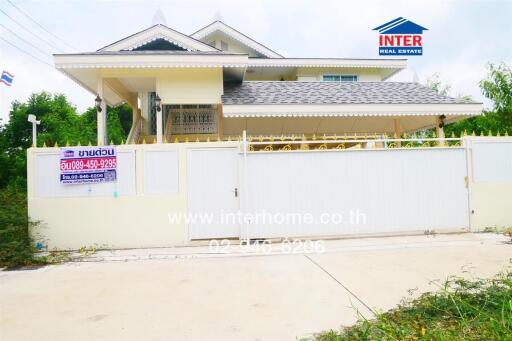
(462, 310)
(16, 245)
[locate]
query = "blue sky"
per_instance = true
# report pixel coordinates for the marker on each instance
(463, 36)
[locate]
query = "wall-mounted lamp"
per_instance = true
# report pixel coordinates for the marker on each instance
(441, 121)
(158, 103)
(98, 103)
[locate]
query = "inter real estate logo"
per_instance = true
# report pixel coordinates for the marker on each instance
(400, 37)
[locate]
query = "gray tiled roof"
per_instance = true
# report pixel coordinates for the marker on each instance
(266, 92)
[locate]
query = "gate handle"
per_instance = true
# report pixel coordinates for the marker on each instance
(236, 192)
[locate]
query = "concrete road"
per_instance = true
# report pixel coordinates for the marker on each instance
(192, 294)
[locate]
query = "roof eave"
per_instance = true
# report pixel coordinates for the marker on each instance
(341, 110)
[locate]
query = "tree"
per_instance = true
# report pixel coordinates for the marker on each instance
(60, 124)
(498, 88)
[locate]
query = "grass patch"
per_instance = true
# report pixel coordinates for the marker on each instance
(461, 310)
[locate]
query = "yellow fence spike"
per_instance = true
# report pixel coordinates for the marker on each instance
(506, 133)
(335, 137)
(473, 133)
(122, 141)
(434, 135)
(324, 137)
(143, 140)
(490, 133)
(304, 137)
(89, 144)
(404, 136)
(176, 140)
(112, 142)
(56, 144)
(229, 138)
(165, 140)
(67, 143)
(453, 135)
(482, 133)
(498, 134)
(395, 136)
(281, 138)
(79, 144)
(208, 139)
(186, 139)
(414, 136)
(314, 137)
(197, 139)
(44, 144)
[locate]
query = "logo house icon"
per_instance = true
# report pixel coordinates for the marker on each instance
(400, 37)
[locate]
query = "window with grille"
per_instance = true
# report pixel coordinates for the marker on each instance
(192, 119)
(339, 78)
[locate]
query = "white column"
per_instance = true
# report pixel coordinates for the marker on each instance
(102, 117)
(440, 132)
(397, 127)
(159, 126)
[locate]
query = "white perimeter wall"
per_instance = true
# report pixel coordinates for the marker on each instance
(133, 212)
(400, 190)
(490, 169)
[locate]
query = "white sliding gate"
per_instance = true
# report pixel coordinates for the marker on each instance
(327, 193)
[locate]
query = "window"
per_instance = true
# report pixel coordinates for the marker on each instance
(339, 78)
(192, 119)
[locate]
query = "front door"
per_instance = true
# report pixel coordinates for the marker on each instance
(213, 193)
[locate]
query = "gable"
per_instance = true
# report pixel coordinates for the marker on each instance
(158, 33)
(219, 30)
(159, 44)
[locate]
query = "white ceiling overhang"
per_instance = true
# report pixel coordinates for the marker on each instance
(329, 62)
(78, 61)
(346, 110)
(158, 32)
(219, 26)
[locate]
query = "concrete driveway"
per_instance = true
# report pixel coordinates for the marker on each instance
(191, 294)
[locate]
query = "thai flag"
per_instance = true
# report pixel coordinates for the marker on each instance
(6, 78)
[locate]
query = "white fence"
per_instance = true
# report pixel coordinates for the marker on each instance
(274, 192)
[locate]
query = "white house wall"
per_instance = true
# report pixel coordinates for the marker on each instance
(190, 86)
